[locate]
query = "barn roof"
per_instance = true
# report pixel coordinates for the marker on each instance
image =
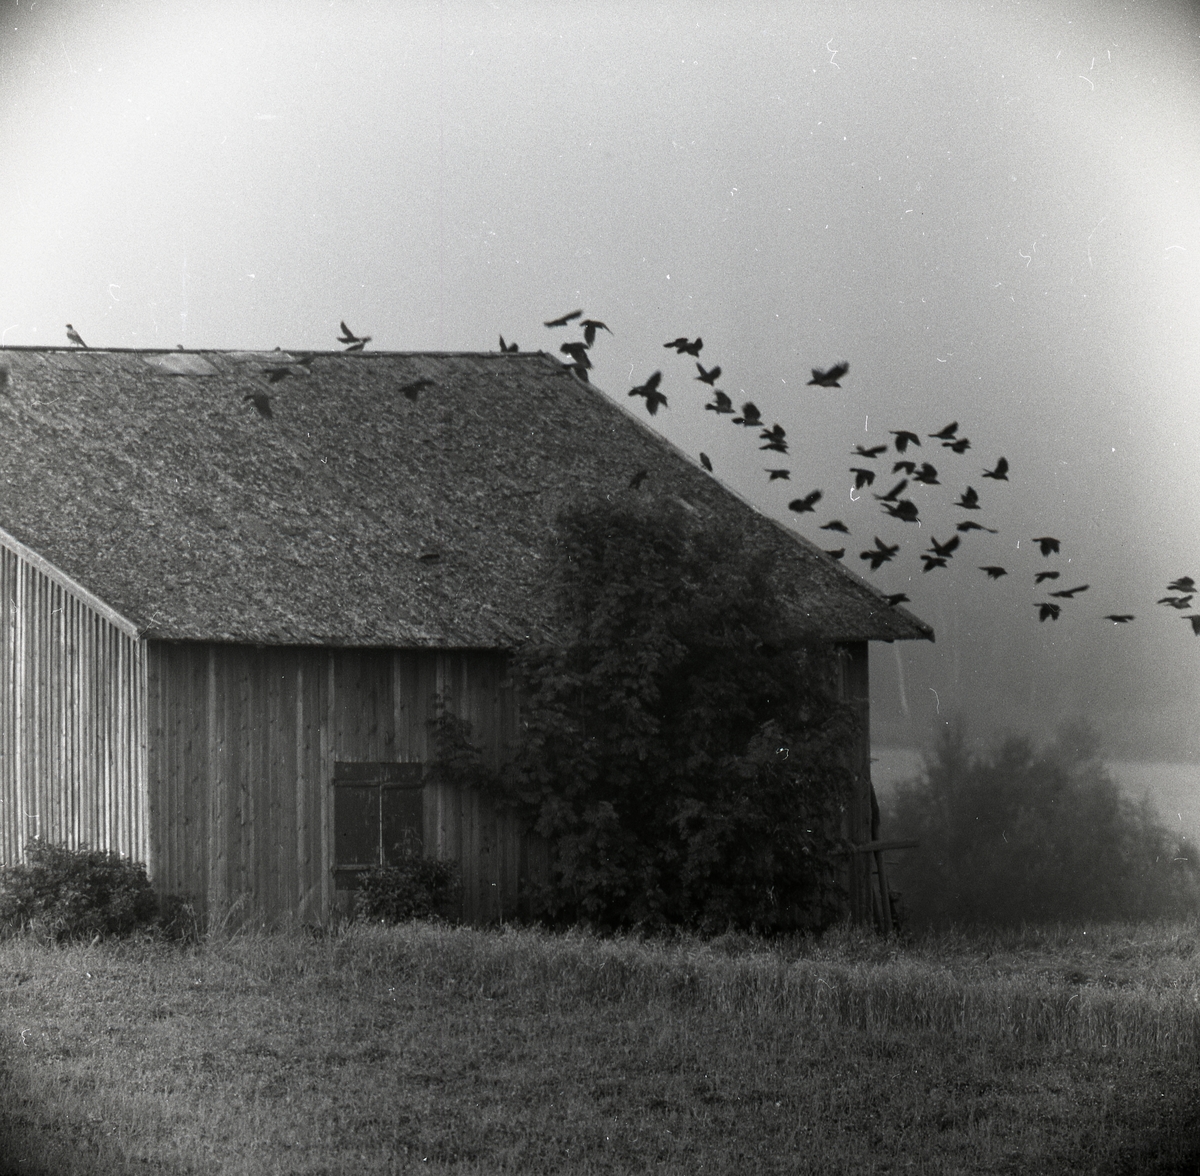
(353, 515)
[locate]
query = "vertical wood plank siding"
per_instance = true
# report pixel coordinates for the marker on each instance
(854, 688)
(73, 693)
(243, 741)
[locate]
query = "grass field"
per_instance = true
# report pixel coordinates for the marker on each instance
(452, 1050)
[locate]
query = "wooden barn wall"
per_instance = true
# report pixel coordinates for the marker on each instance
(243, 741)
(854, 688)
(72, 719)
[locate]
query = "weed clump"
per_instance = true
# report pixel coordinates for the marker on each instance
(416, 888)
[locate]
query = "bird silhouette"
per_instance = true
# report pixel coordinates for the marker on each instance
(710, 376)
(508, 347)
(775, 475)
(705, 462)
(959, 446)
(637, 478)
(835, 525)
(969, 500)
(684, 347)
(751, 418)
(1047, 611)
(1047, 544)
(1000, 473)
(947, 433)
(904, 438)
(1183, 584)
(1179, 602)
(830, 378)
(972, 525)
(835, 552)
(944, 549)
(566, 318)
(276, 374)
(926, 475)
(807, 503)
(774, 438)
(896, 598)
(262, 402)
(1069, 593)
(356, 342)
(880, 555)
(932, 561)
(590, 327)
(1119, 618)
(864, 477)
(578, 352)
(1194, 620)
(721, 403)
(994, 571)
(74, 337)
(1040, 576)
(905, 510)
(651, 393)
(894, 492)
(909, 467)
(414, 388)
(874, 451)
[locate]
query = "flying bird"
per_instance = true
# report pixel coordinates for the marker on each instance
(969, 500)
(864, 477)
(1119, 618)
(1183, 584)
(261, 401)
(751, 418)
(959, 446)
(507, 347)
(972, 525)
(1000, 473)
(994, 571)
(904, 438)
(590, 327)
(894, 492)
(1047, 544)
(566, 318)
(710, 376)
(1179, 602)
(874, 451)
(905, 510)
(944, 549)
(638, 479)
(1040, 576)
(830, 378)
(774, 439)
(74, 337)
(896, 598)
(704, 461)
(356, 342)
(1195, 623)
(926, 475)
(650, 391)
(721, 403)
(947, 433)
(1069, 593)
(932, 561)
(807, 503)
(578, 352)
(777, 474)
(909, 467)
(835, 525)
(276, 374)
(684, 347)
(1047, 611)
(414, 389)
(882, 553)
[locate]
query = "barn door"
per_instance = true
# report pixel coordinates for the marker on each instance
(378, 816)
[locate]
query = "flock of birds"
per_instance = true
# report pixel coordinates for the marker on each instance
(774, 440)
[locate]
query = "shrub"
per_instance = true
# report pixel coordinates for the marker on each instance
(417, 888)
(75, 893)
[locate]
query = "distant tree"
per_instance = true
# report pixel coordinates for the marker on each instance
(1017, 833)
(682, 751)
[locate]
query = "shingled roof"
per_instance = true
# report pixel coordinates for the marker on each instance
(354, 515)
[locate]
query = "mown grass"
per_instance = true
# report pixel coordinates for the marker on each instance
(453, 1050)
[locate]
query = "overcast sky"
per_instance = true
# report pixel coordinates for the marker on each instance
(991, 211)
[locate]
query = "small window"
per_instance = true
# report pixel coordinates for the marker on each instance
(378, 814)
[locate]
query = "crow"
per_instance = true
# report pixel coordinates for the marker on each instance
(751, 418)
(1119, 618)
(710, 376)
(835, 552)
(830, 378)
(650, 391)
(74, 337)
(972, 525)
(863, 477)
(926, 475)
(944, 549)
(1040, 576)
(777, 474)
(994, 571)
(904, 438)
(774, 439)
(356, 342)
(1069, 593)
(276, 374)
(909, 467)
(683, 347)
(959, 446)
(969, 500)
(507, 347)
(1194, 619)
(590, 327)
(566, 318)
(638, 479)
(1000, 473)
(894, 492)
(414, 389)
(1047, 611)
(261, 401)
(578, 352)
(807, 503)
(1179, 602)
(1047, 544)
(896, 598)
(947, 433)
(931, 562)
(704, 461)
(880, 555)
(1183, 584)
(874, 451)
(905, 510)
(721, 403)
(835, 525)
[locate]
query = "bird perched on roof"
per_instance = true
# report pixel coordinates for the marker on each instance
(926, 475)
(261, 401)
(414, 388)
(74, 337)
(704, 461)
(650, 391)
(1040, 576)
(710, 376)
(356, 342)
(904, 438)
(775, 475)
(864, 477)
(578, 352)
(969, 500)
(1119, 618)
(881, 554)
(751, 418)
(905, 510)
(1047, 611)
(807, 503)
(1047, 543)
(566, 318)
(972, 525)
(959, 446)
(830, 378)
(944, 549)
(637, 478)
(683, 347)
(835, 552)
(1000, 473)
(721, 403)
(508, 348)
(994, 571)
(590, 327)
(1069, 593)
(1179, 602)
(874, 451)
(835, 525)
(896, 598)
(1183, 584)
(947, 433)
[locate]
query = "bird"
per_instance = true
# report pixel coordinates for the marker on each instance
(775, 475)
(905, 510)
(926, 475)
(1069, 593)
(1194, 619)
(874, 451)
(774, 439)
(1179, 602)
(1000, 473)
(835, 552)
(710, 376)
(1183, 584)
(414, 388)
(862, 477)
(835, 525)
(261, 401)
(969, 500)
(909, 467)
(74, 337)
(580, 371)
(566, 318)
(807, 503)
(882, 553)
(972, 525)
(751, 418)
(896, 598)
(1047, 611)
(276, 374)
(507, 347)
(721, 403)
(944, 549)
(650, 391)
(356, 342)
(830, 378)
(894, 492)
(590, 327)
(1040, 576)
(683, 347)
(1048, 544)
(932, 561)
(994, 571)
(578, 352)
(904, 438)
(959, 446)
(704, 461)
(638, 479)
(1119, 618)
(947, 432)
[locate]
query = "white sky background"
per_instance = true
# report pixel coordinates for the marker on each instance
(991, 211)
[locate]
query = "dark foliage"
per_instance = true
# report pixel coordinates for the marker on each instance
(75, 893)
(1021, 834)
(417, 888)
(683, 753)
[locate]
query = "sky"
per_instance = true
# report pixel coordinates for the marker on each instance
(991, 211)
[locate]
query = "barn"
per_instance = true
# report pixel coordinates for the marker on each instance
(233, 584)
